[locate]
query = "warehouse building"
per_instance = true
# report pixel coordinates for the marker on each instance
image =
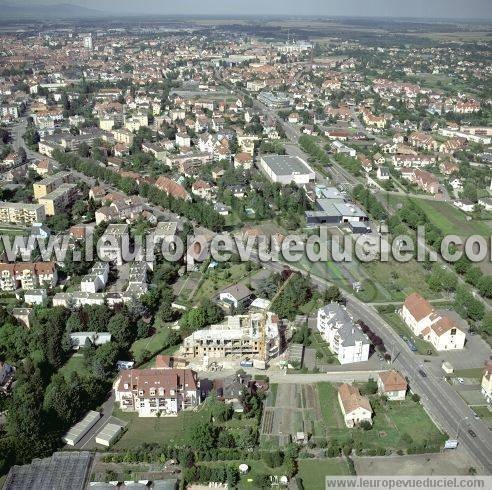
(285, 169)
(333, 208)
(108, 434)
(79, 430)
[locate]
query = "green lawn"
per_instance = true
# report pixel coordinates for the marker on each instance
(217, 279)
(447, 217)
(256, 467)
(74, 365)
(399, 280)
(330, 408)
(163, 430)
(313, 471)
(153, 344)
(483, 412)
(476, 373)
(393, 319)
(390, 422)
(322, 349)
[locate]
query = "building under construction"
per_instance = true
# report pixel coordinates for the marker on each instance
(255, 334)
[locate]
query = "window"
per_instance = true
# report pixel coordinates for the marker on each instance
(453, 331)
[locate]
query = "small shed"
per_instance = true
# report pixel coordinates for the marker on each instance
(108, 434)
(447, 367)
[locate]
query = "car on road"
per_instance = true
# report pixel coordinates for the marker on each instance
(472, 433)
(422, 373)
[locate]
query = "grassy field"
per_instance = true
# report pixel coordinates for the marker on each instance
(74, 365)
(483, 412)
(153, 344)
(322, 349)
(474, 373)
(313, 471)
(390, 422)
(256, 467)
(399, 280)
(399, 326)
(163, 430)
(220, 278)
(447, 217)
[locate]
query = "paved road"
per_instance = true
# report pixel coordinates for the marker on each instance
(447, 408)
(445, 405)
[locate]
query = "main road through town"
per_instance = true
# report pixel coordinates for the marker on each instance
(442, 402)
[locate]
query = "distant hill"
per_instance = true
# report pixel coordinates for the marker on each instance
(48, 11)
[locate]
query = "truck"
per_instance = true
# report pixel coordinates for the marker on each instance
(451, 444)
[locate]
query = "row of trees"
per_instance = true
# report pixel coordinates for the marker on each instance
(308, 144)
(198, 210)
(296, 293)
(369, 202)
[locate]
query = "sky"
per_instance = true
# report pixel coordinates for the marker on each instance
(478, 9)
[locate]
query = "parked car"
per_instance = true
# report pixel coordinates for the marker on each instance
(461, 381)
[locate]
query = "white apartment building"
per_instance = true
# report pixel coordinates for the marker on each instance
(152, 391)
(97, 278)
(343, 336)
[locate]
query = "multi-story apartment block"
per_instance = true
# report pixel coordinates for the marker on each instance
(21, 213)
(157, 391)
(344, 337)
(49, 184)
(59, 199)
(27, 275)
(123, 136)
(96, 279)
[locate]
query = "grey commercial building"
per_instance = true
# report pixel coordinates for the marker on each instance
(285, 169)
(335, 211)
(275, 101)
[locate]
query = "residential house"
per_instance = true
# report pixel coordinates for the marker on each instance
(243, 160)
(424, 321)
(172, 188)
(7, 373)
(236, 296)
(392, 385)
(202, 189)
(355, 407)
(487, 383)
(382, 173)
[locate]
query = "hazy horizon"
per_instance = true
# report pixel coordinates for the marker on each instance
(450, 9)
